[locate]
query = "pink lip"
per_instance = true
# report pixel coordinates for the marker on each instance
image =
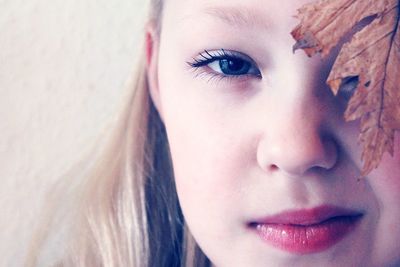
(309, 230)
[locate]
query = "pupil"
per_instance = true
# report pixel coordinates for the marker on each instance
(234, 66)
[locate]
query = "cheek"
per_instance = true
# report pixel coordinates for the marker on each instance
(207, 169)
(205, 156)
(386, 178)
(211, 150)
(385, 182)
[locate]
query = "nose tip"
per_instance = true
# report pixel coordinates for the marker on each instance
(297, 155)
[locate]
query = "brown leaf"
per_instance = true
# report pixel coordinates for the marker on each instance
(372, 55)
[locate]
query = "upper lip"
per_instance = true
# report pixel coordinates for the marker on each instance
(308, 216)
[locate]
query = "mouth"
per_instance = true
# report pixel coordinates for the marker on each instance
(307, 231)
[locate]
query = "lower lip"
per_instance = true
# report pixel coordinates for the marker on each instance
(304, 239)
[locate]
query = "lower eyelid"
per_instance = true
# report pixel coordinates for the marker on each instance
(210, 76)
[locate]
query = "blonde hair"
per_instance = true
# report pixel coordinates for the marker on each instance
(124, 211)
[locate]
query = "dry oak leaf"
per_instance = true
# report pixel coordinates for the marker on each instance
(372, 55)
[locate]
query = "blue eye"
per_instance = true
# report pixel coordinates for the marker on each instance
(348, 87)
(226, 63)
(231, 66)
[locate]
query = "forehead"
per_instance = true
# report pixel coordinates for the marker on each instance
(251, 13)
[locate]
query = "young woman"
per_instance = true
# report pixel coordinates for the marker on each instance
(232, 151)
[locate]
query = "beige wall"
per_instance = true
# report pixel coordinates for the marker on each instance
(63, 64)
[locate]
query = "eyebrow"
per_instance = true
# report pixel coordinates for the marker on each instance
(240, 16)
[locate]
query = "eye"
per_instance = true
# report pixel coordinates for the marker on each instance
(231, 66)
(226, 63)
(347, 88)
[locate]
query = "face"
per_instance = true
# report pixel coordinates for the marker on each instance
(266, 168)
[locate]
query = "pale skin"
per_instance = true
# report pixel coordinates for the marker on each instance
(264, 141)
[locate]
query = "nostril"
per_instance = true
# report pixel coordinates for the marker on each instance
(273, 167)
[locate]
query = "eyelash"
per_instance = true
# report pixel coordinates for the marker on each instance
(205, 58)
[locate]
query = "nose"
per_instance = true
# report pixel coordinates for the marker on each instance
(297, 141)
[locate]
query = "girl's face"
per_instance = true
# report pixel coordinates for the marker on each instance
(266, 168)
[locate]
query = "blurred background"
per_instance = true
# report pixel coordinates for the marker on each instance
(63, 65)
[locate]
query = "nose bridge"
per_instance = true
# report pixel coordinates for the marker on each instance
(295, 141)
